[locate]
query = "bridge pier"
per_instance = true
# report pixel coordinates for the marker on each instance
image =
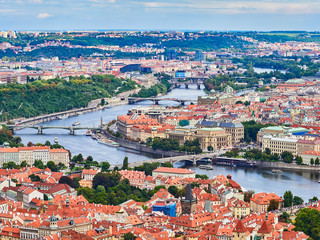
(194, 161)
(187, 85)
(198, 86)
(155, 102)
(71, 131)
(182, 103)
(39, 130)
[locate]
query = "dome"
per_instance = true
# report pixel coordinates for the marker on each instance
(53, 218)
(50, 198)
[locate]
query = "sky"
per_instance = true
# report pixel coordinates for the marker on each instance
(217, 15)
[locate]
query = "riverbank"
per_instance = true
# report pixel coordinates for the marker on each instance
(142, 147)
(287, 166)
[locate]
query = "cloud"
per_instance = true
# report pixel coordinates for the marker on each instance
(237, 6)
(103, 1)
(44, 15)
(35, 1)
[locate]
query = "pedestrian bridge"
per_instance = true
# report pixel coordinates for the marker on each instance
(41, 128)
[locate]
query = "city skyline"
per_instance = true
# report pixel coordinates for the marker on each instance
(250, 15)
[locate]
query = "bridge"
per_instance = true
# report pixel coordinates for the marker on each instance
(177, 82)
(193, 159)
(41, 128)
(133, 100)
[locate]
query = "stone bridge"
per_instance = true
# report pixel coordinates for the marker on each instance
(40, 128)
(133, 100)
(185, 158)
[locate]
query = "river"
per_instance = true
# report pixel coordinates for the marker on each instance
(301, 183)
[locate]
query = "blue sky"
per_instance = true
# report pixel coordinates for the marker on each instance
(160, 15)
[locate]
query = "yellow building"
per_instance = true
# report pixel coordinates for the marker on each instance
(280, 145)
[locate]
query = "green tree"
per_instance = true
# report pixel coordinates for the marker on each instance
(105, 166)
(89, 159)
(34, 178)
(10, 165)
(267, 151)
(102, 103)
(288, 199)
(47, 143)
(167, 164)
(285, 217)
(308, 221)
(69, 181)
(23, 164)
(202, 176)
(129, 236)
(125, 164)
(287, 157)
(53, 167)
(210, 148)
(248, 195)
(311, 161)
(39, 164)
(297, 201)
(106, 179)
(173, 190)
(299, 160)
(273, 205)
(316, 162)
(314, 199)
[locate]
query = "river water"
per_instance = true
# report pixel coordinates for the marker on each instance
(301, 183)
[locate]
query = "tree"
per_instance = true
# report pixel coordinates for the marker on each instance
(299, 160)
(129, 236)
(23, 164)
(285, 217)
(125, 164)
(105, 166)
(53, 167)
(297, 201)
(102, 103)
(288, 199)
(308, 221)
(248, 195)
(311, 161)
(106, 179)
(273, 205)
(287, 157)
(210, 148)
(202, 176)
(69, 181)
(173, 190)
(317, 161)
(314, 199)
(34, 178)
(39, 164)
(267, 151)
(89, 159)
(47, 143)
(167, 164)
(10, 165)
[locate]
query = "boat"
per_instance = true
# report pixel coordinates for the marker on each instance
(93, 136)
(55, 140)
(76, 123)
(108, 142)
(206, 167)
(62, 117)
(88, 133)
(276, 171)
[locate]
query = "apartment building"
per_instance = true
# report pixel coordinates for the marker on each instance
(30, 154)
(260, 201)
(279, 145)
